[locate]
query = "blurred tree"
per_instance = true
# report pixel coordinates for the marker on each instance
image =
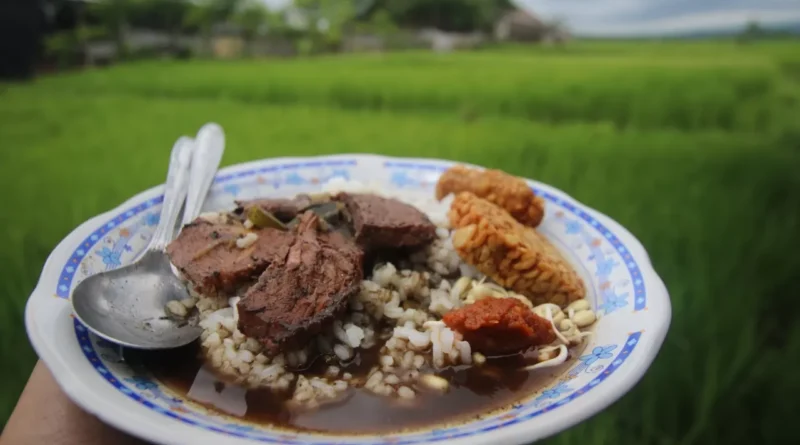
(223, 10)
(204, 14)
(752, 31)
(68, 29)
(113, 15)
(446, 15)
(379, 23)
(162, 15)
(254, 18)
(277, 25)
(200, 17)
(325, 22)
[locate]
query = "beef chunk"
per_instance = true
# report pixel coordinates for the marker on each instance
(207, 255)
(284, 209)
(386, 223)
(299, 295)
(344, 244)
(496, 326)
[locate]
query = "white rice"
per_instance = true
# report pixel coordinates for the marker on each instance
(246, 241)
(398, 307)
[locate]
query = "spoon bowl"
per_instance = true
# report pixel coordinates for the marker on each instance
(127, 306)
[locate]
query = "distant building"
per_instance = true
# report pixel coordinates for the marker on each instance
(441, 41)
(522, 26)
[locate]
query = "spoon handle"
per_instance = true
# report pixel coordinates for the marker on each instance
(174, 193)
(209, 145)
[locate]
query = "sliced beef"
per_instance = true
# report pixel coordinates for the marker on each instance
(283, 208)
(299, 295)
(343, 242)
(496, 326)
(386, 223)
(207, 255)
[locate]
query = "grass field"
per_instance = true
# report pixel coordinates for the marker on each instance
(694, 147)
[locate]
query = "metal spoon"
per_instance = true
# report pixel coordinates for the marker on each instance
(205, 162)
(127, 305)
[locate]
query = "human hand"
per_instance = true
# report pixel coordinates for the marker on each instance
(44, 415)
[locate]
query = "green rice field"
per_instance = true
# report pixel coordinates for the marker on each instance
(695, 147)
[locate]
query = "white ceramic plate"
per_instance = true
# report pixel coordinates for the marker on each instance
(622, 285)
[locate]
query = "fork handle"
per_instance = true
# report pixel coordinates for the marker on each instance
(207, 154)
(175, 192)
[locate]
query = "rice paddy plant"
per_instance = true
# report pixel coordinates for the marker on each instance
(744, 93)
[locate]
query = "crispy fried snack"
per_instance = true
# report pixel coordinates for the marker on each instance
(515, 256)
(507, 191)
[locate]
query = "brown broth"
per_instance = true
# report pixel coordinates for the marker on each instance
(475, 391)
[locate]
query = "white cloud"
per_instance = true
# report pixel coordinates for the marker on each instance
(582, 10)
(655, 17)
(713, 21)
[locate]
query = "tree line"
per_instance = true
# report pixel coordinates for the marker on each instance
(317, 23)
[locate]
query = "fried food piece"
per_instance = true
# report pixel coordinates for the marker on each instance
(496, 326)
(498, 187)
(515, 256)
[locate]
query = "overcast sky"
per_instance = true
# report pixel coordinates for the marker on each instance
(642, 17)
(662, 16)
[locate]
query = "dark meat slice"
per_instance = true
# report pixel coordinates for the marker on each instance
(296, 298)
(284, 209)
(207, 255)
(344, 244)
(497, 326)
(387, 223)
